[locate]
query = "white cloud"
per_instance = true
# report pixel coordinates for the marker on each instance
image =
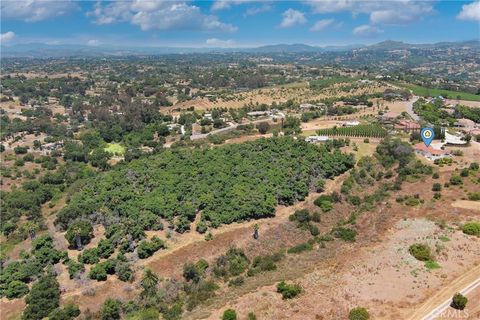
(35, 10)
(322, 24)
(258, 9)
(214, 42)
(470, 11)
(391, 12)
(94, 42)
(253, 10)
(158, 15)
(226, 4)
(7, 36)
(292, 17)
(366, 31)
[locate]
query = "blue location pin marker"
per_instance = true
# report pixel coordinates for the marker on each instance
(427, 135)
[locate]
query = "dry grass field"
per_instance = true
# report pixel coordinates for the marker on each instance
(298, 93)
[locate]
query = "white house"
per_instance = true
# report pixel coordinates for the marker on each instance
(315, 139)
(430, 152)
(351, 123)
(258, 113)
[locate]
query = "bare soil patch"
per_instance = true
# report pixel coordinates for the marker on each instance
(467, 204)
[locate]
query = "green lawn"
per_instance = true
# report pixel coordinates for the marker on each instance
(115, 148)
(428, 92)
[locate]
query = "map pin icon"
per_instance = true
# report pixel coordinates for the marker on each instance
(427, 135)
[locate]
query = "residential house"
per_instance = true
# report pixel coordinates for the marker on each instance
(350, 123)
(315, 139)
(430, 152)
(407, 126)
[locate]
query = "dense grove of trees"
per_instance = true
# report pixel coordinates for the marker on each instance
(432, 112)
(229, 183)
(39, 89)
(26, 201)
(15, 276)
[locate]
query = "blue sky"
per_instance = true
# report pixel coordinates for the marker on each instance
(236, 23)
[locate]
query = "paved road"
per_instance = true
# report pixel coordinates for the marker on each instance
(410, 108)
(438, 303)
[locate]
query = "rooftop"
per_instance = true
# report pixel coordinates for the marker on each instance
(422, 147)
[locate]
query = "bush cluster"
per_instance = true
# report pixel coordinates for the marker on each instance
(288, 291)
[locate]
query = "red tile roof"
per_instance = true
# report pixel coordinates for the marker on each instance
(422, 147)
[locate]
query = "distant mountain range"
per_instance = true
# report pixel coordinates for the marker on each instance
(40, 50)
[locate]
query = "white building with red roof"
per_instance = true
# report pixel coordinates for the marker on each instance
(430, 152)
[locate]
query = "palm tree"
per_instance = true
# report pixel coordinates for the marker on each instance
(149, 283)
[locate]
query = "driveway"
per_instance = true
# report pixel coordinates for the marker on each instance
(410, 108)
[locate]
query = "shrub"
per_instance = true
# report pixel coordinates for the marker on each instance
(110, 310)
(251, 316)
(123, 271)
(437, 187)
(233, 263)
(412, 201)
(98, 272)
(431, 265)
(474, 196)
(144, 314)
(20, 150)
(74, 268)
(16, 289)
(474, 166)
(456, 180)
(43, 298)
(302, 217)
(435, 175)
(19, 162)
(201, 227)
(459, 301)
(79, 233)
(288, 291)
(263, 127)
(464, 173)
(313, 230)
(316, 217)
(70, 311)
(320, 185)
(358, 313)
(147, 248)
(345, 234)
(191, 272)
(29, 157)
(471, 228)
(324, 202)
(354, 200)
(266, 263)
(300, 248)
(238, 281)
(105, 248)
(229, 314)
(198, 293)
(89, 256)
(420, 251)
